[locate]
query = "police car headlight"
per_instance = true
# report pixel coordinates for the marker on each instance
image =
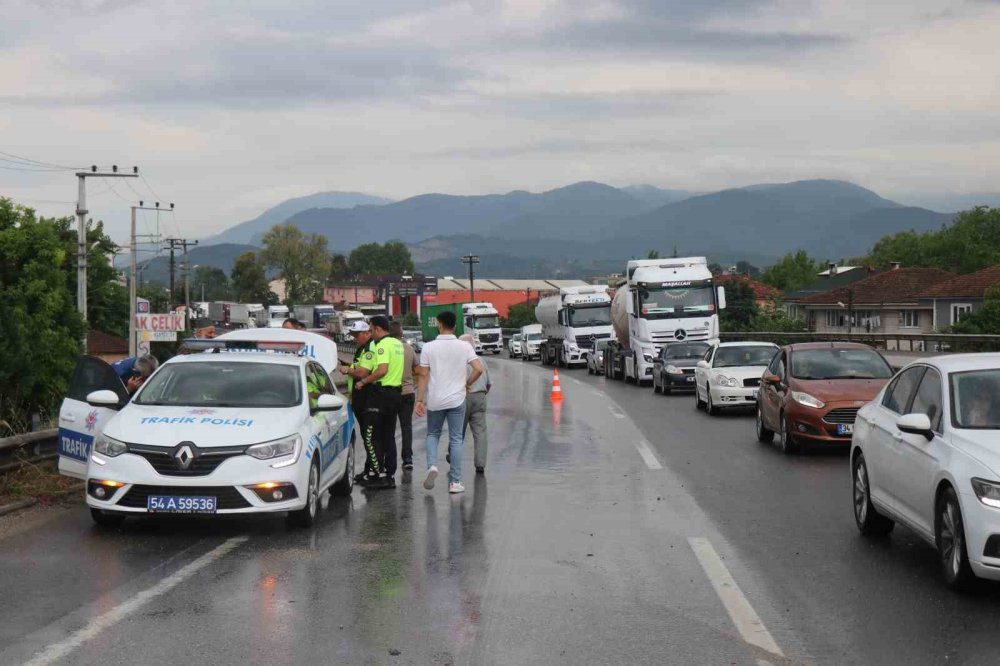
(109, 447)
(279, 448)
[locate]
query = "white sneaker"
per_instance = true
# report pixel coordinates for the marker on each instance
(455, 488)
(432, 474)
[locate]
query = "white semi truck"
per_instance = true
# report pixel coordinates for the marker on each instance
(571, 320)
(339, 324)
(276, 315)
(662, 301)
(482, 322)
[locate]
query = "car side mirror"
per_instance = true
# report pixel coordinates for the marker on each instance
(771, 378)
(722, 297)
(327, 402)
(915, 424)
(105, 398)
(702, 363)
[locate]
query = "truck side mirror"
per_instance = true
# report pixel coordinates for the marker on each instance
(722, 297)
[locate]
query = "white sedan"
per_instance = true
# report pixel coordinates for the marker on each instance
(926, 453)
(729, 375)
(251, 427)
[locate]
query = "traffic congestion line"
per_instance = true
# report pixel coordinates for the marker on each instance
(57, 651)
(747, 622)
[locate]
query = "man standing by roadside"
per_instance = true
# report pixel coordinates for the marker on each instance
(363, 365)
(410, 363)
(475, 409)
(441, 390)
(386, 385)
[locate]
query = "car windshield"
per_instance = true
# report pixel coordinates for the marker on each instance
(517, 337)
(673, 302)
(687, 350)
(486, 321)
(839, 364)
(223, 384)
(975, 399)
(600, 344)
(731, 357)
(590, 316)
(533, 336)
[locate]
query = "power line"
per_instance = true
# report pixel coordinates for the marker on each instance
(38, 162)
(26, 168)
(117, 194)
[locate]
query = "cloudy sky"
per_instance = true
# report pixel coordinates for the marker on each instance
(230, 106)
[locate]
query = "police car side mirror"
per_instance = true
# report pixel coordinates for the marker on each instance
(103, 398)
(329, 403)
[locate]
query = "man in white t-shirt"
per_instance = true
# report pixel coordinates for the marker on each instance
(443, 384)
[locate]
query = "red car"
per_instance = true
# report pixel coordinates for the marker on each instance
(812, 392)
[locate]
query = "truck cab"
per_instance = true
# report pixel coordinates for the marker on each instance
(663, 301)
(276, 315)
(482, 321)
(571, 321)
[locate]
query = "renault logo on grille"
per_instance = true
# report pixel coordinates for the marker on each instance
(184, 455)
(680, 334)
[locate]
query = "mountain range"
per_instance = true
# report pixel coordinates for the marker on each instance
(586, 227)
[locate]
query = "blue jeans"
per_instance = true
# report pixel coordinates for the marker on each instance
(456, 425)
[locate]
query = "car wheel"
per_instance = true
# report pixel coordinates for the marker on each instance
(710, 407)
(950, 538)
(107, 518)
(306, 516)
(764, 434)
(786, 441)
(868, 519)
(698, 404)
(344, 487)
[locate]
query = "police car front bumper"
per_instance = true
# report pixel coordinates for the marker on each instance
(231, 484)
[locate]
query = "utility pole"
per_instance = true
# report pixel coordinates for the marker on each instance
(187, 277)
(82, 246)
(133, 270)
(174, 244)
(472, 260)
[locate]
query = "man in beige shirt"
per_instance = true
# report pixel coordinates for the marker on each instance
(410, 362)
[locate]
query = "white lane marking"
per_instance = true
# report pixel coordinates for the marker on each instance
(617, 412)
(747, 622)
(57, 651)
(648, 456)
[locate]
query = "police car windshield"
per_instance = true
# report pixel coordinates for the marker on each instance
(223, 384)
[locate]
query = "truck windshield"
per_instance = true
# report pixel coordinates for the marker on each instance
(222, 384)
(486, 321)
(590, 316)
(533, 336)
(673, 302)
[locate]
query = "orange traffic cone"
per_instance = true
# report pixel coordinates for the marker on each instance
(557, 395)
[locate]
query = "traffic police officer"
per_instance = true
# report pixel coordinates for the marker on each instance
(386, 382)
(363, 365)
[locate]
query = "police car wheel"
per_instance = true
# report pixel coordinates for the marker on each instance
(107, 518)
(344, 487)
(306, 516)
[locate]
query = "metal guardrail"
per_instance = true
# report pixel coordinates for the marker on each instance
(945, 343)
(30, 448)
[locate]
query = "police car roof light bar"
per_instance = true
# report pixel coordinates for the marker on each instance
(285, 346)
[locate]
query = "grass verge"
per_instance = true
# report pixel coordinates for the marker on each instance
(41, 480)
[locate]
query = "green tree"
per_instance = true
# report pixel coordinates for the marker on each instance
(410, 320)
(41, 331)
(792, 272)
(214, 282)
(773, 318)
(971, 242)
(159, 296)
(984, 321)
(302, 262)
(741, 306)
(518, 315)
(393, 258)
(249, 281)
(746, 268)
(340, 270)
(653, 254)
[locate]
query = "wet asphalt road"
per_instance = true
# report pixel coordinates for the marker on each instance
(574, 548)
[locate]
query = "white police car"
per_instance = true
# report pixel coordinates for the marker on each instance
(226, 432)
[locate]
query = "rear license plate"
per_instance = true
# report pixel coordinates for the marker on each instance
(180, 504)
(845, 428)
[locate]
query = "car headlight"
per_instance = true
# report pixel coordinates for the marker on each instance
(109, 447)
(723, 380)
(289, 446)
(988, 492)
(673, 370)
(648, 358)
(807, 400)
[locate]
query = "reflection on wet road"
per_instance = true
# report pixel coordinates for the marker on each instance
(572, 548)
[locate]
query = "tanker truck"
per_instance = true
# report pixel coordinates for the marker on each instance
(571, 320)
(661, 301)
